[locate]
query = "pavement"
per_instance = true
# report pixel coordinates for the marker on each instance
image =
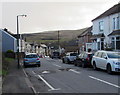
(16, 81)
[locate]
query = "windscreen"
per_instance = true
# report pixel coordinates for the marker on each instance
(73, 54)
(31, 56)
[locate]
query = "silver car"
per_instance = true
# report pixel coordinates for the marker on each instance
(107, 60)
(32, 59)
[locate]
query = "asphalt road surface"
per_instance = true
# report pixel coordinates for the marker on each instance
(56, 77)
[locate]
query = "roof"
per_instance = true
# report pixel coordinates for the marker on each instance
(112, 10)
(14, 35)
(107, 51)
(88, 30)
(97, 36)
(43, 45)
(116, 32)
(6, 32)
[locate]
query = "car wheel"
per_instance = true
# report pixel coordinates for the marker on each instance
(63, 61)
(78, 64)
(68, 61)
(109, 70)
(94, 66)
(25, 66)
(83, 64)
(39, 65)
(75, 63)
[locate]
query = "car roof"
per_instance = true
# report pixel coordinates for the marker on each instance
(31, 53)
(107, 51)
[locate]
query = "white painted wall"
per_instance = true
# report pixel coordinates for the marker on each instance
(108, 26)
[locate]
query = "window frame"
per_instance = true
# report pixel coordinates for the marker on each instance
(101, 26)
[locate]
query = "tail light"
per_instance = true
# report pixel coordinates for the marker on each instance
(38, 59)
(25, 59)
(87, 58)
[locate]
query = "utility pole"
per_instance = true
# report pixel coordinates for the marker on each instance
(18, 36)
(58, 40)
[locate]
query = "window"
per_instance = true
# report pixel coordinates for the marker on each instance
(113, 42)
(114, 23)
(96, 53)
(99, 54)
(103, 55)
(101, 25)
(117, 42)
(118, 23)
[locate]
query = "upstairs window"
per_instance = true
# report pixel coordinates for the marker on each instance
(113, 23)
(101, 26)
(118, 23)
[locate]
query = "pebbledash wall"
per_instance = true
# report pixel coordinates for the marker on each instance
(8, 41)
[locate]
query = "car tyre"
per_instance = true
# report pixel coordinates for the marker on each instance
(109, 70)
(68, 61)
(39, 65)
(63, 60)
(94, 66)
(83, 64)
(75, 63)
(25, 66)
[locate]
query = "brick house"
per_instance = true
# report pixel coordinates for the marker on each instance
(84, 40)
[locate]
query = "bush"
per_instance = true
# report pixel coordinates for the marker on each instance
(10, 54)
(9, 51)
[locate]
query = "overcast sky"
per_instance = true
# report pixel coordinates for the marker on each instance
(43, 16)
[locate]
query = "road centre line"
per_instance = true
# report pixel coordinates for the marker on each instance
(104, 81)
(51, 88)
(57, 65)
(74, 71)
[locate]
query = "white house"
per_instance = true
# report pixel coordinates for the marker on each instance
(42, 49)
(106, 29)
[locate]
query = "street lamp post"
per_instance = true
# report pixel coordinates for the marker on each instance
(18, 36)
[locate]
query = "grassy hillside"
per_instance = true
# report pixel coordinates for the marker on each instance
(66, 37)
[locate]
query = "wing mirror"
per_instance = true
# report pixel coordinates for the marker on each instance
(105, 57)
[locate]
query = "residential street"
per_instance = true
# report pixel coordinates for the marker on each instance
(56, 77)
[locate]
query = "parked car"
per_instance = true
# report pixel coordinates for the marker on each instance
(77, 61)
(106, 60)
(55, 55)
(84, 59)
(69, 57)
(31, 59)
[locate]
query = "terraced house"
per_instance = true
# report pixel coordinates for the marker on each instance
(106, 30)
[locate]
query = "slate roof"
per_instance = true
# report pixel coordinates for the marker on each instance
(116, 32)
(97, 36)
(112, 10)
(88, 30)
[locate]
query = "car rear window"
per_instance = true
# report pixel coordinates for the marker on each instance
(73, 54)
(31, 56)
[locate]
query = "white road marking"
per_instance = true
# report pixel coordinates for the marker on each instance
(33, 72)
(74, 71)
(105, 82)
(25, 73)
(57, 65)
(51, 88)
